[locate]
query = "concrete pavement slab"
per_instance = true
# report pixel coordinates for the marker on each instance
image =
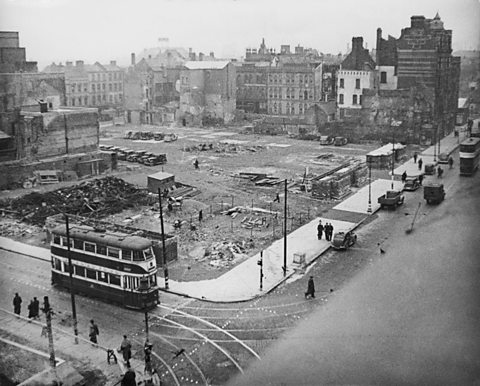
(358, 202)
(24, 249)
(243, 282)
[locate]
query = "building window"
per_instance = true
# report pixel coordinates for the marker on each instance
(85, 101)
(360, 100)
(354, 100)
(73, 101)
(383, 77)
(342, 83)
(357, 83)
(340, 99)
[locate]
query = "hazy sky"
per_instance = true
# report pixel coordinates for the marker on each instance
(60, 30)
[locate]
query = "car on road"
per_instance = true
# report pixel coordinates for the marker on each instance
(434, 193)
(344, 240)
(411, 184)
(443, 158)
(340, 141)
(136, 155)
(430, 169)
(392, 199)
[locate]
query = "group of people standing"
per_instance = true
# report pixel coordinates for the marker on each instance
(33, 307)
(327, 228)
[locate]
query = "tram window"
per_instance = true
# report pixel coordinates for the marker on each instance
(138, 256)
(89, 247)
(148, 253)
(153, 280)
(78, 244)
(65, 267)
(79, 271)
(65, 243)
(102, 276)
(113, 252)
(56, 239)
(126, 254)
(101, 249)
(114, 279)
(57, 264)
(91, 274)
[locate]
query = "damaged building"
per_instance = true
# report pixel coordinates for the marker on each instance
(207, 92)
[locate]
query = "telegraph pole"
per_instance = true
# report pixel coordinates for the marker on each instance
(285, 233)
(393, 153)
(260, 263)
(369, 208)
(165, 268)
(48, 316)
(72, 292)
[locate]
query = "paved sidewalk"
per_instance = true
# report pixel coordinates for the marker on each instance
(64, 346)
(447, 145)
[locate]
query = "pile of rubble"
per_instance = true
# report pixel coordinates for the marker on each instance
(222, 254)
(96, 199)
(14, 229)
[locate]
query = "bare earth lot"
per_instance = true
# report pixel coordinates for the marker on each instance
(208, 249)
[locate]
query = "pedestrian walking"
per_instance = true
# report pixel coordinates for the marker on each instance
(330, 232)
(415, 155)
(126, 350)
(277, 198)
(450, 162)
(147, 350)
(439, 172)
(319, 230)
(404, 176)
(420, 179)
(17, 303)
(310, 289)
(93, 332)
(196, 163)
(420, 163)
(200, 215)
(31, 311)
(36, 308)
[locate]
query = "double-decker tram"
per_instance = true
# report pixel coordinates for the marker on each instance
(112, 266)
(469, 156)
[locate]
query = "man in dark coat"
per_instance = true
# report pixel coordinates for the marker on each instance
(404, 176)
(36, 307)
(31, 310)
(310, 288)
(17, 303)
(327, 231)
(330, 231)
(420, 179)
(93, 332)
(415, 155)
(126, 349)
(420, 162)
(450, 162)
(319, 230)
(129, 378)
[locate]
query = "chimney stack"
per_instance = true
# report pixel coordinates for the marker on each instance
(200, 56)
(113, 62)
(132, 58)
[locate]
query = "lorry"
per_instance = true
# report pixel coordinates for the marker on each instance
(434, 193)
(392, 199)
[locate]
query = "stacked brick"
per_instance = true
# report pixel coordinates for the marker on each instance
(338, 184)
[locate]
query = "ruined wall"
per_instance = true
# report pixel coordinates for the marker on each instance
(14, 173)
(58, 133)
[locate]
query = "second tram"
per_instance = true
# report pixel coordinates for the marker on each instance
(112, 266)
(469, 156)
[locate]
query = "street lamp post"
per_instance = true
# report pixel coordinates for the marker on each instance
(285, 234)
(435, 144)
(260, 263)
(369, 208)
(165, 267)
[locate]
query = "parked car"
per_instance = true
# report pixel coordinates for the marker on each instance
(443, 158)
(411, 184)
(144, 157)
(136, 155)
(340, 141)
(158, 136)
(430, 169)
(326, 140)
(392, 199)
(434, 193)
(105, 147)
(124, 153)
(128, 134)
(344, 240)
